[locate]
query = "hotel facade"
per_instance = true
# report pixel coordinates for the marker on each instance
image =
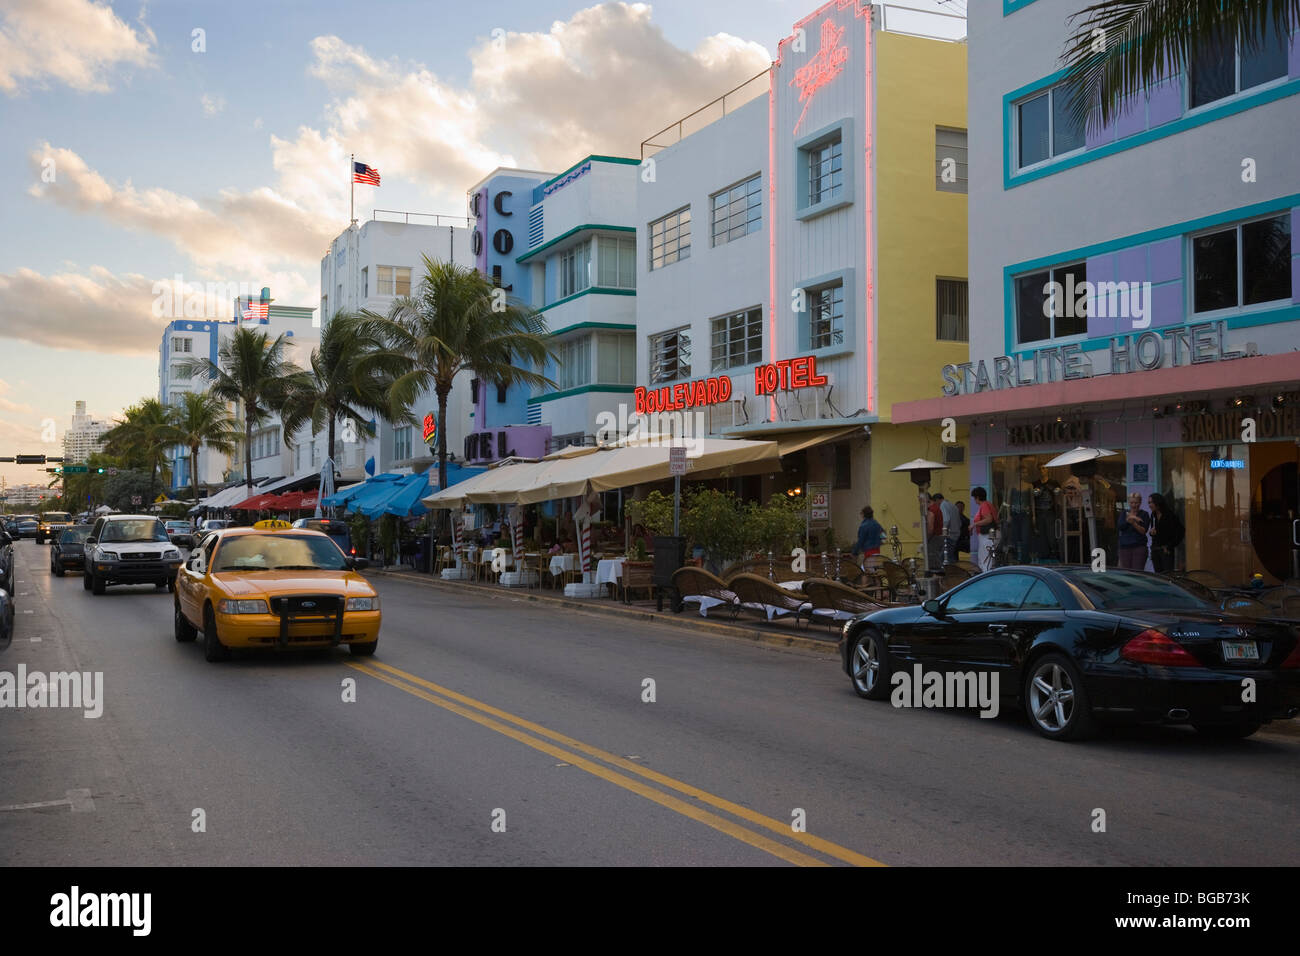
(1133, 287)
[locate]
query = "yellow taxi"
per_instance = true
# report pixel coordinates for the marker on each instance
(274, 586)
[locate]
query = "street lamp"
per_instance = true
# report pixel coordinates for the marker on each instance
(919, 469)
(1083, 465)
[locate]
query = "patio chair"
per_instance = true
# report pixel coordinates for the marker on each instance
(1191, 584)
(1208, 578)
(827, 595)
(757, 593)
(897, 580)
(1275, 597)
(953, 576)
(696, 582)
(637, 579)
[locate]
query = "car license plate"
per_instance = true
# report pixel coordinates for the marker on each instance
(1240, 651)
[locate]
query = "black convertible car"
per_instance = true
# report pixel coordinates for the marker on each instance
(1077, 647)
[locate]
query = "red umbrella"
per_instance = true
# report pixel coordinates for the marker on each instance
(255, 503)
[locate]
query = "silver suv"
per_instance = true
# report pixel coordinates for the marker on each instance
(129, 549)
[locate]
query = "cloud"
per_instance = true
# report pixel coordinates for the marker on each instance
(212, 105)
(75, 42)
(254, 233)
(93, 310)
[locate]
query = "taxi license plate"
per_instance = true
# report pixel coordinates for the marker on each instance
(1240, 651)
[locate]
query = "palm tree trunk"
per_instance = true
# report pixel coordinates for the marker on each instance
(442, 393)
(194, 472)
(334, 414)
(248, 450)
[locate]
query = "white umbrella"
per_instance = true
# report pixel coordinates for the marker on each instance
(1082, 463)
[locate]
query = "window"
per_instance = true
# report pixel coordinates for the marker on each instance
(949, 159)
(826, 171)
(365, 282)
(473, 391)
(338, 296)
(501, 394)
(1221, 68)
(826, 316)
(324, 307)
(998, 592)
(181, 373)
(616, 358)
(575, 269)
(737, 211)
(670, 238)
(1047, 307)
(737, 339)
(393, 280)
(670, 356)
(1040, 598)
(180, 344)
(616, 263)
(574, 361)
(1045, 129)
(952, 310)
(315, 455)
(843, 466)
(402, 443)
(175, 397)
(1245, 264)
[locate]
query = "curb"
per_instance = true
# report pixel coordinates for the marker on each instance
(667, 618)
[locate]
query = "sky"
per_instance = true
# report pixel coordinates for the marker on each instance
(210, 141)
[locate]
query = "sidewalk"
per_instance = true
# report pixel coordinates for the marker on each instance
(817, 638)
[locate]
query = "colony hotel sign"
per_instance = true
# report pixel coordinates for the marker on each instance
(1185, 345)
(786, 374)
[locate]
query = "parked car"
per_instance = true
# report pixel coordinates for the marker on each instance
(1079, 647)
(274, 587)
(213, 524)
(180, 532)
(129, 549)
(338, 530)
(6, 619)
(27, 526)
(6, 561)
(68, 550)
(50, 524)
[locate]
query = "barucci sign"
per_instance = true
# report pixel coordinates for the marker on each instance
(1184, 345)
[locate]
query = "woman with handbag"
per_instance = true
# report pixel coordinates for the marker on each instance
(1166, 535)
(982, 526)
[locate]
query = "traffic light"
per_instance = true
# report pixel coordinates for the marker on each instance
(99, 471)
(30, 459)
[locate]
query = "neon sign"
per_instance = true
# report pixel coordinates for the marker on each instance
(787, 374)
(430, 428)
(827, 64)
(1233, 463)
(768, 379)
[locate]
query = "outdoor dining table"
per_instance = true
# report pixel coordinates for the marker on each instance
(610, 571)
(560, 563)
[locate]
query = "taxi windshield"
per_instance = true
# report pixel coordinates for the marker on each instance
(278, 552)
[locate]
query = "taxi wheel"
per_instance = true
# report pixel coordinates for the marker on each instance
(85, 578)
(185, 631)
(213, 649)
(363, 650)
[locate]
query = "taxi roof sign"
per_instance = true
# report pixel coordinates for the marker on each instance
(272, 523)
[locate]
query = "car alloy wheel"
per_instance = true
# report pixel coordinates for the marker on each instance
(1055, 700)
(869, 666)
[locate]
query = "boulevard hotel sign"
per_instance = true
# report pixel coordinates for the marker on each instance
(782, 375)
(1185, 345)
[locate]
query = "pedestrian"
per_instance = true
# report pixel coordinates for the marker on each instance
(871, 534)
(963, 537)
(1133, 535)
(934, 532)
(951, 528)
(982, 527)
(1166, 534)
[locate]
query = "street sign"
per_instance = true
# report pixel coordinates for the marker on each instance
(676, 461)
(819, 504)
(160, 499)
(135, 499)
(74, 469)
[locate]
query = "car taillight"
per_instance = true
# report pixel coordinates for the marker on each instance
(1293, 659)
(1152, 647)
(354, 551)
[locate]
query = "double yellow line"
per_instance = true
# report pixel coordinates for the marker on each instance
(576, 753)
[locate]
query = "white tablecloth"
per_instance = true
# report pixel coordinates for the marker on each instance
(490, 553)
(609, 571)
(562, 562)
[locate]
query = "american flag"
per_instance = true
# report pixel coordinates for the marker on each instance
(256, 310)
(361, 173)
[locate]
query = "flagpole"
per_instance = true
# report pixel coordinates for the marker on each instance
(352, 198)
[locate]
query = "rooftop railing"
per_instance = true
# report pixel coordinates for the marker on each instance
(711, 112)
(419, 218)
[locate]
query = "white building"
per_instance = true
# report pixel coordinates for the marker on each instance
(84, 437)
(367, 267)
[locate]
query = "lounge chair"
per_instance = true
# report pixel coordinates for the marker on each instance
(705, 588)
(757, 593)
(840, 599)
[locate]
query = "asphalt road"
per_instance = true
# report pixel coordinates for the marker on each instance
(497, 731)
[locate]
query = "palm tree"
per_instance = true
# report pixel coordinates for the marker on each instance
(1124, 46)
(458, 321)
(253, 371)
(337, 386)
(203, 418)
(141, 438)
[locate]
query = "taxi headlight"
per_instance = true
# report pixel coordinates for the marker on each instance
(243, 607)
(363, 604)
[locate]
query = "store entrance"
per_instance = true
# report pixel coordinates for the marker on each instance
(1043, 512)
(1275, 508)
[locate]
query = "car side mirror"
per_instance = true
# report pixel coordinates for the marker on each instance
(933, 608)
(92, 541)
(359, 564)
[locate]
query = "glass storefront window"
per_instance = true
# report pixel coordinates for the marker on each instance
(1041, 514)
(1239, 505)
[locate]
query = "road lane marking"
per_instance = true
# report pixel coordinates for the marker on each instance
(78, 800)
(776, 826)
(721, 824)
